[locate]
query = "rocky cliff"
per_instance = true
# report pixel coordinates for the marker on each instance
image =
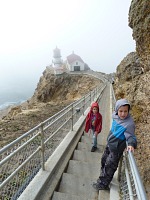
(62, 87)
(132, 82)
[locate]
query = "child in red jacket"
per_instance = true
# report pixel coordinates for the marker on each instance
(94, 122)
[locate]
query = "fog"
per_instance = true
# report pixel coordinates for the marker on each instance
(95, 30)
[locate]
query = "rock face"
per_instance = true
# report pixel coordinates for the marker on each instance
(139, 21)
(62, 87)
(132, 82)
(137, 90)
(129, 68)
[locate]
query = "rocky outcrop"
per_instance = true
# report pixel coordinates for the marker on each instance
(62, 87)
(129, 68)
(139, 21)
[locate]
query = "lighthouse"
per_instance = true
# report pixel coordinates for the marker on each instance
(57, 62)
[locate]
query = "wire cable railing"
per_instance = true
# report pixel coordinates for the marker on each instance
(131, 185)
(24, 157)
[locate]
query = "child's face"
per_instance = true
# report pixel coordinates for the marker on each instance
(95, 110)
(123, 112)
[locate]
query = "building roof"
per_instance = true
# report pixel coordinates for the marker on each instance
(73, 57)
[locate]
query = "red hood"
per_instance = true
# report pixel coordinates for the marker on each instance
(95, 104)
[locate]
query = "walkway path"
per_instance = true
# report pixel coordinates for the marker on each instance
(84, 166)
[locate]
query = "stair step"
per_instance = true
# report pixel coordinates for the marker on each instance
(84, 147)
(65, 196)
(87, 147)
(88, 140)
(81, 186)
(104, 195)
(87, 156)
(80, 168)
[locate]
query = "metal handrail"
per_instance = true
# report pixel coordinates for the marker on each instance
(137, 178)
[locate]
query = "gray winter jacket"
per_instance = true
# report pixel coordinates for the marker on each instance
(122, 130)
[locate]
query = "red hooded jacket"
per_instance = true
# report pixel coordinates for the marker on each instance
(98, 121)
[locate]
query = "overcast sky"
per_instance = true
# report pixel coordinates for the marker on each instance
(96, 30)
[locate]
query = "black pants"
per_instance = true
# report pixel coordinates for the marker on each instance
(109, 164)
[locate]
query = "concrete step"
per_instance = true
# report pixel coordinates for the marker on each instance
(80, 186)
(90, 136)
(88, 140)
(84, 147)
(65, 196)
(104, 195)
(80, 168)
(87, 156)
(87, 147)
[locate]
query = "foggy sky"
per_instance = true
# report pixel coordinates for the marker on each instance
(96, 30)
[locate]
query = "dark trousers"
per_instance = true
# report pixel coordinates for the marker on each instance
(109, 164)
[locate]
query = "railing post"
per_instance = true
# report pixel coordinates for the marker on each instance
(42, 147)
(83, 105)
(72, 118)
(96, 93)
(90, 96)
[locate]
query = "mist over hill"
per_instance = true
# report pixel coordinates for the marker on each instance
(18, 85)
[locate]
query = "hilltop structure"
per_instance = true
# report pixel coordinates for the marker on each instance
(72, 63)
(57, 62)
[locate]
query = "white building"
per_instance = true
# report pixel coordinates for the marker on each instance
(75, 63)
(57, 62)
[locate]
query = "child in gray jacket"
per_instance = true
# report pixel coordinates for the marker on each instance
(122, 131)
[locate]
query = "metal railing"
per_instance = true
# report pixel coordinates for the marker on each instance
(23, 158)
(131, 185)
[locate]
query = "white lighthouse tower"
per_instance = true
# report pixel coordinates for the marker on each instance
(57, 62)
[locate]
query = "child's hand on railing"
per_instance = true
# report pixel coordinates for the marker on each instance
(130, 148)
